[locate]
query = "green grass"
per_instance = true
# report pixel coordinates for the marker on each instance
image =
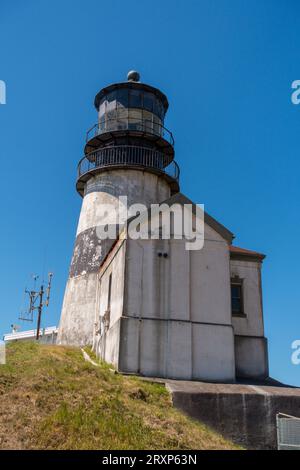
(50, 398)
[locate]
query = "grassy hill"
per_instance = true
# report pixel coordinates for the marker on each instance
(50, 398)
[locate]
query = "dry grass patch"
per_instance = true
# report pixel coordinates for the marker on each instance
(50, 398)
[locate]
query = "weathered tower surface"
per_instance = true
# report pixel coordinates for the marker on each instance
(129, 153)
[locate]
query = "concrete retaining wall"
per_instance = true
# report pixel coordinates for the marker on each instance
(244, 413)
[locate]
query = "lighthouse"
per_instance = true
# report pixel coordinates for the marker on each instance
(151, 305)
(130, 153)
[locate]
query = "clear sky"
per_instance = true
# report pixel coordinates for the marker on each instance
(226, 67)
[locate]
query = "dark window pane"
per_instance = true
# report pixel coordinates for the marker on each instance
(112, 96)
(236, 305)
(236, 298)
(148, 101)
(135, 99)
(122, 97)
(156, 109)
(162, 111)
(235, 291)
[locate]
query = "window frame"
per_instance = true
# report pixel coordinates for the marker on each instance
(238, 282)
(109, 292)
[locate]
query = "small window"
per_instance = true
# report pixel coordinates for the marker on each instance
(237, 306)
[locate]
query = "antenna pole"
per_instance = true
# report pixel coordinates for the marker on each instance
(35, 296)
(40, 308)
(48, 290)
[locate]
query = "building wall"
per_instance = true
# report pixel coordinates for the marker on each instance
(251, 355)
(177, 350)
(186, 285)
(105, 188)
(252, 324)
(170, 316)
(251, 350)
(106, 339)
(210, 281)
(78, 311)
(177, 310)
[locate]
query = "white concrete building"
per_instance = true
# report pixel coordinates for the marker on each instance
(47, 335)
(150, 306)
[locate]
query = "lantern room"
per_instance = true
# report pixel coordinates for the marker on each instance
(131, 105)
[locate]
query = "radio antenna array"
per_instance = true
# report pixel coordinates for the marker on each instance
(37, 302)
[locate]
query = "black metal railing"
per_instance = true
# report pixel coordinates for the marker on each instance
(127, 155)
(130, 124)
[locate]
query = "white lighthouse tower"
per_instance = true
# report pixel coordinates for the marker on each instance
(151, 306)
(127, 153)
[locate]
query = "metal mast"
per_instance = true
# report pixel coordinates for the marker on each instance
(35, 296)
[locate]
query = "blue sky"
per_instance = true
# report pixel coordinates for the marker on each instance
(226, 67)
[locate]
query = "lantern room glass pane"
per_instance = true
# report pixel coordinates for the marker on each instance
(102, 123)
(157, 127)
(129, 108)
(135, 99)
(122, 118)
(110, 115)
(156, 107)
(122, 98)
(135, 119)
(148, 101)
(112, 96)
(102, 107)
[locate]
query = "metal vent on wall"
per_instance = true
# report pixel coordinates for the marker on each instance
(288, 432)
